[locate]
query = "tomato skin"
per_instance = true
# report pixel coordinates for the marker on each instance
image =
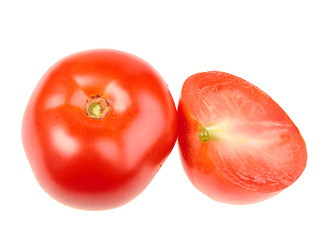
(200, 161)
(98, 164)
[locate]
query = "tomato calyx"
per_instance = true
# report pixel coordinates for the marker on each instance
(97, 107)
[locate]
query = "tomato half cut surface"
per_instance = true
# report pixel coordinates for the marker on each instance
(98, 127)
(236, 144)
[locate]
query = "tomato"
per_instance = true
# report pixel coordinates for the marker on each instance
(236, 144)
(97, 128)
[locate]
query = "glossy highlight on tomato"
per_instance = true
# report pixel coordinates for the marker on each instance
(98, 127)
(237, 145)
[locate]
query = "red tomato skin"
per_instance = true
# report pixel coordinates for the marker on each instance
(195, 155)
(98, 164)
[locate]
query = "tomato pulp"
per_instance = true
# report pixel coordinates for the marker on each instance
(97, 128)
(236, 144)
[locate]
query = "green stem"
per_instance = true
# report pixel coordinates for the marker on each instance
(97, 107)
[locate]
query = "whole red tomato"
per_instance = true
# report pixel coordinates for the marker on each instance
(237, 145)
(97, 128)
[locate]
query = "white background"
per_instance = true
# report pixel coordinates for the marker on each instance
(283, 47)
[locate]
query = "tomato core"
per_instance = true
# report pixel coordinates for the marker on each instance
(97, 107)
(220, 132)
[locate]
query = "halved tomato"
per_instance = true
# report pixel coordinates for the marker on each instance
(237, 145)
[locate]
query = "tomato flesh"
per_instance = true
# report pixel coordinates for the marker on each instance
(97, 128)
(237, 145)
